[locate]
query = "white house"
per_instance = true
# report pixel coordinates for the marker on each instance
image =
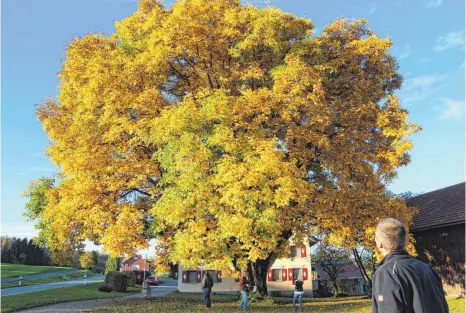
(279, 277)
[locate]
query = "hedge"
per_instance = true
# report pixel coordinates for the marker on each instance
(140, 276)
(130, 277)
(116, 281)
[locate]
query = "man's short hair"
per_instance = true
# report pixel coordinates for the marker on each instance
(392, 234)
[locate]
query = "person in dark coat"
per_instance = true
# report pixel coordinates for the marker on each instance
(298, 293)
(207, 284)
(244, 289)
(401, 283)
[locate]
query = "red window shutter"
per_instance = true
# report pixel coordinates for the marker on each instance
(290, 274)
(303, 251)
(269, 275)
(305, 276)
(219, 276)
(284, 275)
(184, 276)
(199, 276)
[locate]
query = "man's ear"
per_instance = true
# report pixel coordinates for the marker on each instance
(380, 245)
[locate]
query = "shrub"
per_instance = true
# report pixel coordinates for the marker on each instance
(140, 276)
(257, 297)
(130, 277)
(117, 281)
(341, 295)
(105, 288)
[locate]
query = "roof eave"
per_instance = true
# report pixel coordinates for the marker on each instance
(413, 230)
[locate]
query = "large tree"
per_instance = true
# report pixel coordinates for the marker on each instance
(223, 130)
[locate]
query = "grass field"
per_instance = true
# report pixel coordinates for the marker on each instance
(166, 277)
(51, 279)
(59, 295)
(180, 303)
(10, 270)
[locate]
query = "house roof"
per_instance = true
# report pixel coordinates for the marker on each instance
(312, 240)
(134, 259)
(350, 270)
(130, 260)
(438, 208)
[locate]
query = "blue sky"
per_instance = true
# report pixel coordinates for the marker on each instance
(428, 38)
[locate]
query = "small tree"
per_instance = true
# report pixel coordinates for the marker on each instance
(111, 264)
(61, 258)
(332, 260)
(88, 260)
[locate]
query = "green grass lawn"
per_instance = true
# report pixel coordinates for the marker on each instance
(52, 296)
(51, 279)
(180, 303)
(166, 277)
(10, 270)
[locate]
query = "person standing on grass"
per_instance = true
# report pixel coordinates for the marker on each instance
(401, 283)
(298, 293)
(207, 284)
(244, 289)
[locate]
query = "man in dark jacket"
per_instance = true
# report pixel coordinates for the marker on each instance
(298, 293)
(207, 284)
(401, 283)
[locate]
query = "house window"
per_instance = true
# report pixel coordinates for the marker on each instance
(294, 251)
(192, 277)
(135, 267)
(314, 274)
(276, 275)
(296, 273)
(214, 275)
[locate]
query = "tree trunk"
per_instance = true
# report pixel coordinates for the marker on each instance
(335, 287)
(173, 270)
(258, 271)
(367, 279)
(360, 264)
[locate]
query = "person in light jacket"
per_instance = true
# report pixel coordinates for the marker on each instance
(401, 283)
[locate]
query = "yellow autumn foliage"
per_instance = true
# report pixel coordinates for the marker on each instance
(220, 129)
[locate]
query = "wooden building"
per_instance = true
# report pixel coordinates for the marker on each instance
(439, 230)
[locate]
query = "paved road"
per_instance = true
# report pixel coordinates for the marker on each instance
(16, 278)
(166, 283)
(25, 289)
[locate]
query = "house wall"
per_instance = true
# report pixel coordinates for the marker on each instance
(227, 285)
(443, 248)
(286, 286)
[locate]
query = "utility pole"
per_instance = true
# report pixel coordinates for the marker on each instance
(144, 269)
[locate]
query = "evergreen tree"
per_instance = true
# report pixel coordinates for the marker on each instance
(111, 265)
